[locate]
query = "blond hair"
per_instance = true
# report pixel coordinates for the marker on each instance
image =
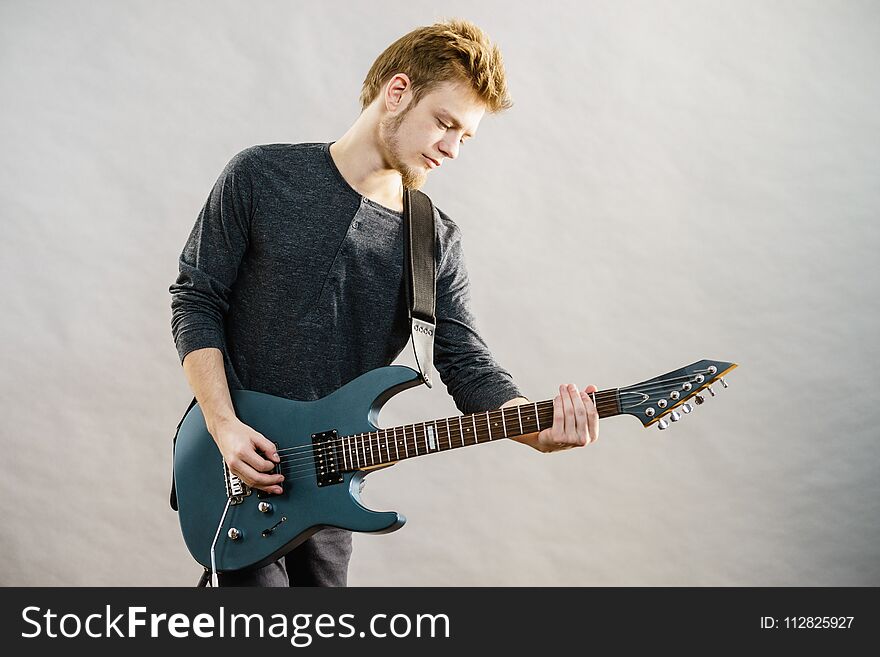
(452, 50)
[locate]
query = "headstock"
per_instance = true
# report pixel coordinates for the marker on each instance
(652, 400)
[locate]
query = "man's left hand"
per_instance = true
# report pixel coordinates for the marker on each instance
(575, 420)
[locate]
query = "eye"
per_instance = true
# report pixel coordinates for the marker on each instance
(447, 127)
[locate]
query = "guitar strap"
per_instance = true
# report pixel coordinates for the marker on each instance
(420, 273)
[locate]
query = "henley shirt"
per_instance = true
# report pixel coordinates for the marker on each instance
(298, 279)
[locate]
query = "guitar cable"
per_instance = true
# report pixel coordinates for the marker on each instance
(215, 581)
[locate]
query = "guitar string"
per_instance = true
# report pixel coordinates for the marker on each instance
(417, 435)
(358, 451)
(357, 445)
(483, 432)
(605, 406)
(401, 451)
(308, 472)
(608, 403)
(304, 466)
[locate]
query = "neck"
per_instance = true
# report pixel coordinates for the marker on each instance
(386, 446)
(360, 158)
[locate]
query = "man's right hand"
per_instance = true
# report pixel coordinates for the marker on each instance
(238, 444)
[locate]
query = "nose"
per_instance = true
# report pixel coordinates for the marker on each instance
(449, 148)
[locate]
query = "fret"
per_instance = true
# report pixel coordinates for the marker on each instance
(479, 428)
(387, 453)
(537, 421)
(396, 451)
(344, 463)
(415, 439)
(350, 456)
(489, 425)
(370, 442)
(405, 445)
(504, 422)
(430, 437)
(519, 415)
(461, 429)
(476, 435)
(363, 449)
(448, 433)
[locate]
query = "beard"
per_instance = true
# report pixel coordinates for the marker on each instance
(389, 130)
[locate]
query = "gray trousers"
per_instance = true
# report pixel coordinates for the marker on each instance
(322, 560)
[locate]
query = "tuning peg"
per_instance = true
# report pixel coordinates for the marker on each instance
(687, 408)
(699, 399)
(711, 392)
(723, 383)
(662, 424)
(675, 416)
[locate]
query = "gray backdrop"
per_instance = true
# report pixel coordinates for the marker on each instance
(676, 181)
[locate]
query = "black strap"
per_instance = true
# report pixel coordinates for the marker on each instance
(420, 264)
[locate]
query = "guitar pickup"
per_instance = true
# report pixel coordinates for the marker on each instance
(325, 447)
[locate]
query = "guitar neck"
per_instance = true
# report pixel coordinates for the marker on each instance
(385, 446)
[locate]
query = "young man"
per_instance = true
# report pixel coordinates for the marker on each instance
(291, 282)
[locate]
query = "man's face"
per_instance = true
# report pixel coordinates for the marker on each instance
(435, 128)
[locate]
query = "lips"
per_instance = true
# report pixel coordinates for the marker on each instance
(431, 162)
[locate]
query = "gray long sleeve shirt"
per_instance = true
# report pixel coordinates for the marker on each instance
(298, 280)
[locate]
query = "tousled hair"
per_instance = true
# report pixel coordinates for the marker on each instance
(452, 50)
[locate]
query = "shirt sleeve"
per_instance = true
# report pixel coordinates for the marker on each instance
(472, 377)
(210, 260)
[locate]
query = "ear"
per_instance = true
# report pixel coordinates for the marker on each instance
(396, 91)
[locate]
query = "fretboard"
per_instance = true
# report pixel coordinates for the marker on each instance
(375, 448)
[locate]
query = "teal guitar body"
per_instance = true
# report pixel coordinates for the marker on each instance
(286, 520)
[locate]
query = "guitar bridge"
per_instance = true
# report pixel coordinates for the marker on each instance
(236, 489)
(324, 448)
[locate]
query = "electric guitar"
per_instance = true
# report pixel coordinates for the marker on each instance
(328, 446)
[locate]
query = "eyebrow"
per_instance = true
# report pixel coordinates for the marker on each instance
(452, 120)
